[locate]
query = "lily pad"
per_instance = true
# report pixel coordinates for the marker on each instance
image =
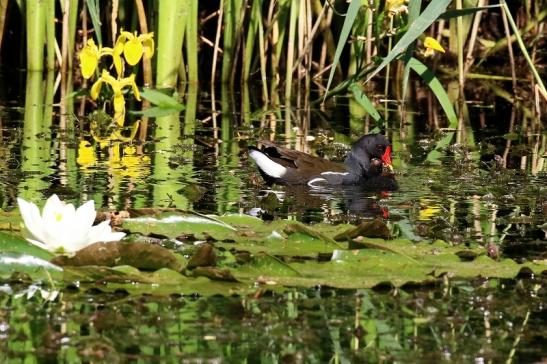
(397, 262)
(16, 244)
(204, 256)
(139, 255)
(214, 273)
(370, 229)
(36, 268)
(173, 224)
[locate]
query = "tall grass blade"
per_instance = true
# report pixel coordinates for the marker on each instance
(523, 49)
(467, 11)
(429, 15)
(94, 13)
(365, 102)
(353, 10)
(413, 13)
(437, 89)
(441, 95)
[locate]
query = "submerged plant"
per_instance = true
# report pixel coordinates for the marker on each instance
(63, 229)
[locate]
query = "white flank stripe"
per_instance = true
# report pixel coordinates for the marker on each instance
(311, 182)
(338, 173)
(267, 165)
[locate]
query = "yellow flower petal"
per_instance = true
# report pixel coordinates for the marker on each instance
(396, 6)
(120, 42)
(118, 64)
(119, 103)
(86, 154)
(431, 43)
(89, 59)
(147, 41)
(134, 87)
(133, 51)
(96, 89)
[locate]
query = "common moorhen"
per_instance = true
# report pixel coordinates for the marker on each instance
(367, 164)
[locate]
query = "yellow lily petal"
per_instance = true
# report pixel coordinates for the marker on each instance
(96, 89)
(147, 41)
(431, 43)
(133, 51)
(89, 59)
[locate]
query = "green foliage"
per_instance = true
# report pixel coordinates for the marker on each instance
(163, 104)
(246, 250)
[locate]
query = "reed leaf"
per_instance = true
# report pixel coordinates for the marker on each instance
(437, 89)
(413, 14)
(466, 11)
(523, 49)
(426, 18)
(364, 101)
(95, 14)
(351, 14)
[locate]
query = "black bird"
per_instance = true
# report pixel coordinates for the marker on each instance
(368, 164)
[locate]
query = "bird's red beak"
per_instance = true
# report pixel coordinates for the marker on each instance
(386, 158)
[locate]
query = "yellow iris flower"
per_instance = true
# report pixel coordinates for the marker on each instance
(395, 7)
(89, 57)
(117, 88)
(431, 46)
(134, 47)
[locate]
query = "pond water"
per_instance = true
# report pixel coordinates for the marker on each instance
(199, 162)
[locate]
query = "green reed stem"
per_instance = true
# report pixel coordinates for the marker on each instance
(230, 15)
(170, 14)
(192, 41)
(50, 35)
(254, 24)
(36, 34)
(291, 44)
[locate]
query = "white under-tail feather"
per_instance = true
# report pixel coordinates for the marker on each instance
(268, 166)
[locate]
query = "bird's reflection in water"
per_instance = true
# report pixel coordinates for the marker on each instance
(337, 204)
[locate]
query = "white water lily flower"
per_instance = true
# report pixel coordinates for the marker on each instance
(61, 228)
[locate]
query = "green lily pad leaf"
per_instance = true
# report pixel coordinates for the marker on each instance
(204, 256)
(16, 244)
(397, 262)
(166, 282)
(139, 255)
(266, 264)
(173, 224)
(303, 229)
(10, 221)
(241, 220)
(214, 273)
(36, 268)
(370, 229)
